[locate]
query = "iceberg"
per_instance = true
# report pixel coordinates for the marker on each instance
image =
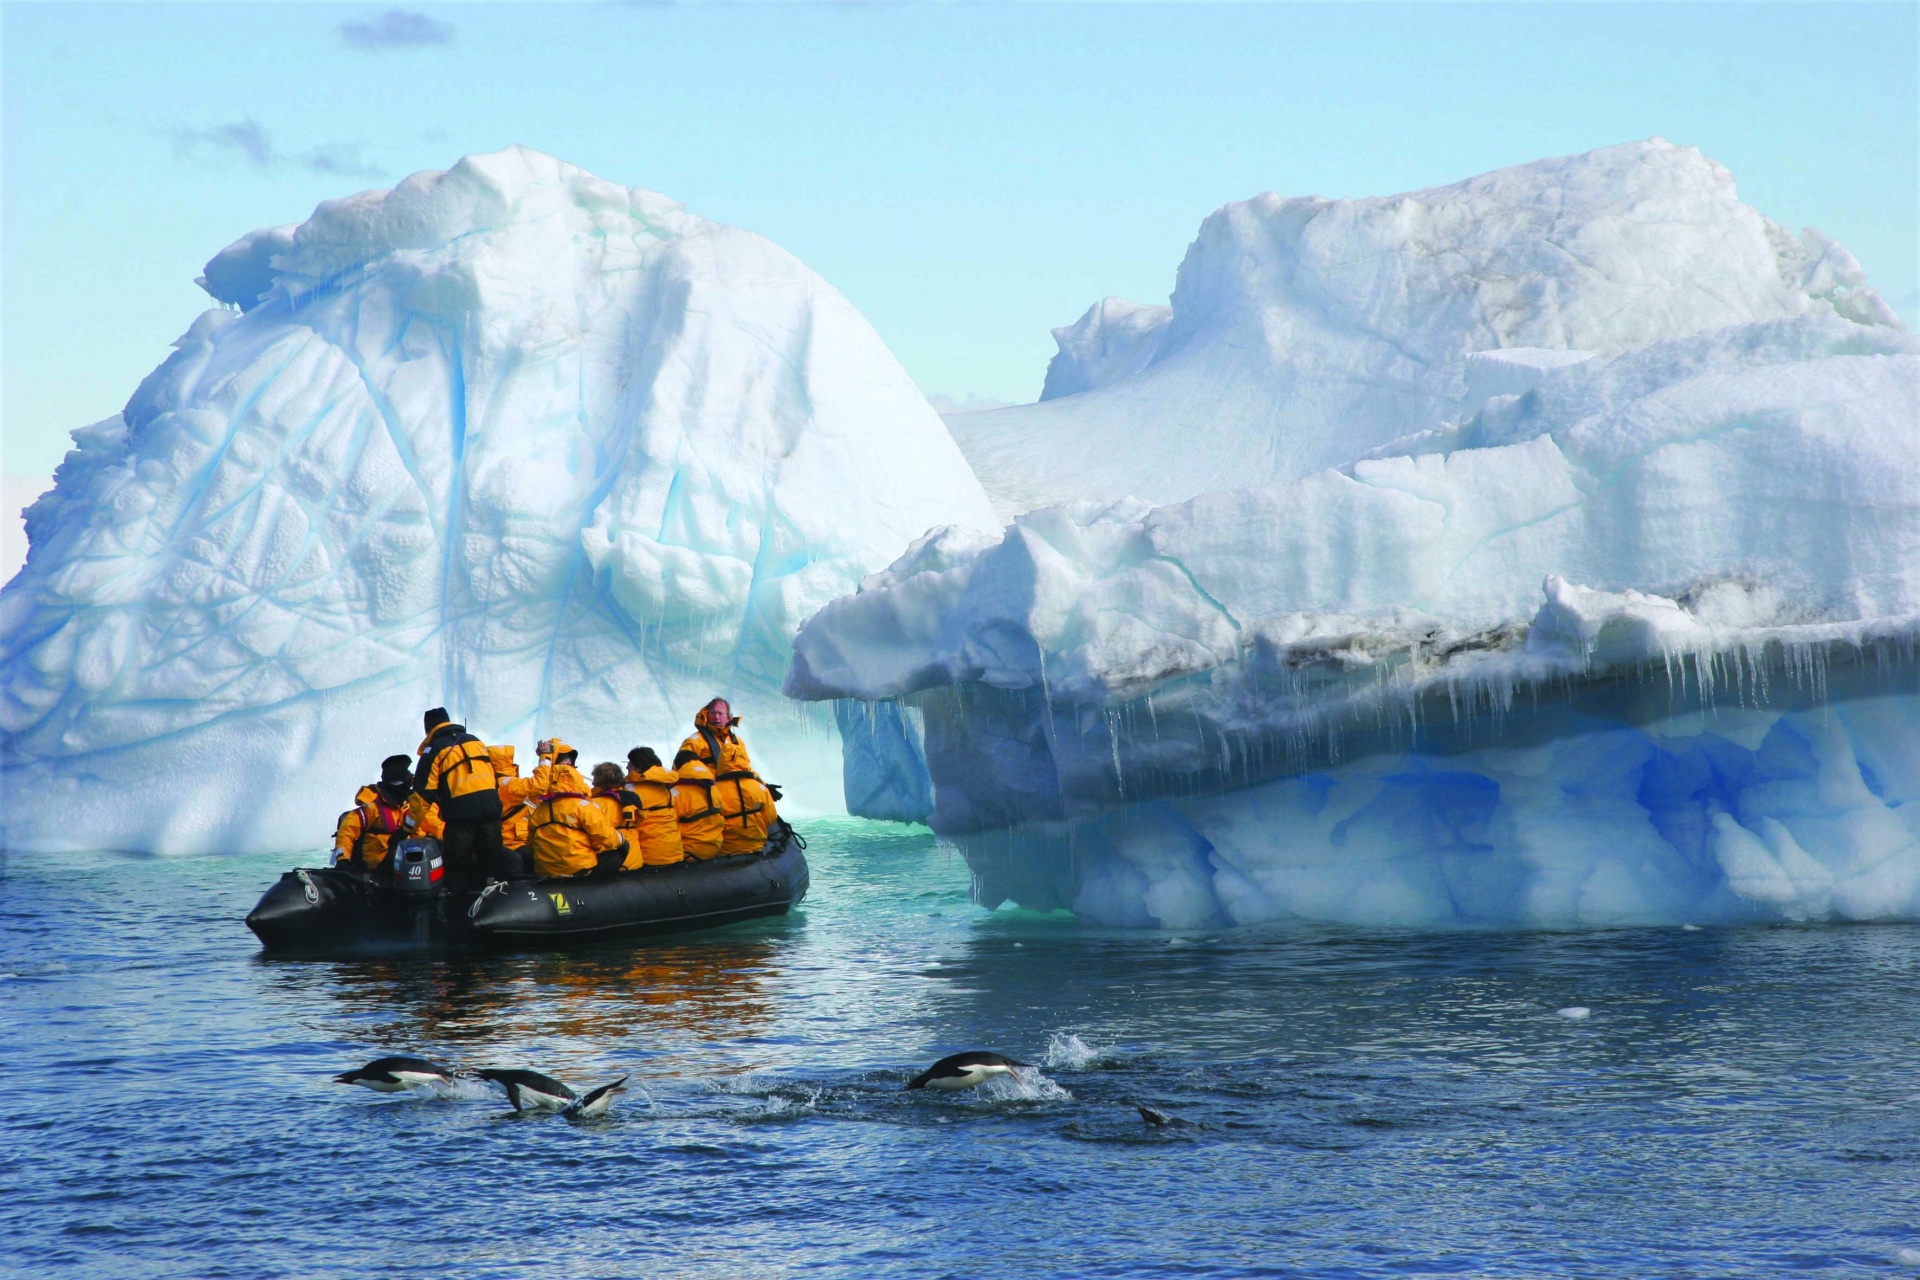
(1304, 332)
(511, 438)
(1618, 623)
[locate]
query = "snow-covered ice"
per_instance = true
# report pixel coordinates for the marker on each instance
(1303, 332)
(546, 449)
(1615, 620)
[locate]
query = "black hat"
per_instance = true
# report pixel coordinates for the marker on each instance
(643, 759)
(396, 770)
(437, 717)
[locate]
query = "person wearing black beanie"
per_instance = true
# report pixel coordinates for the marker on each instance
(456, 774)
(363, 837)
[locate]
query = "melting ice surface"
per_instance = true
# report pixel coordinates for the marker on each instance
(547, 450)
(1604, 612)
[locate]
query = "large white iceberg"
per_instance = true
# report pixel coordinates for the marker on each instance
(1627, 635)
(546, 449)
(1304, 332)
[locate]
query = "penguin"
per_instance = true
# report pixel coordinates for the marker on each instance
(1160, 1119)
(531, 1091)
(596, 1102)
(396, 1075)
(964, 1070)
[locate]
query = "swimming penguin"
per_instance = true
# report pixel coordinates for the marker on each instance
(1160, 1119)
(531, 1091)
(964, 1070)
(395, 1075)
(597, 1102)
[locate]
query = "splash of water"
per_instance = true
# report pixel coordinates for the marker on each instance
(1026, 1085)
(1066, 1051)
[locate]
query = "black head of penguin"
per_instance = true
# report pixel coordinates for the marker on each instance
(530, 1088)
(964, 1070)
(391, 1075)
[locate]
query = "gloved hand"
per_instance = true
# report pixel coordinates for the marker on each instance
(773, 789)
(543, 748)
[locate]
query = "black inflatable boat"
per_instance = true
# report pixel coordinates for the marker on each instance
(328, 909)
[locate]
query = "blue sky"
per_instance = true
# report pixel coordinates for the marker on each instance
(969, 174)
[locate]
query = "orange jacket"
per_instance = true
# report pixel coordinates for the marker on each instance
(746, 806)
(456, 773)
(566, 830)
(659, 831)
(622, 809)
(366, 831)
(702, 829)
(515, 791)
(733, 752)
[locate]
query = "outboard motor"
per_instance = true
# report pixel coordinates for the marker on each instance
(420, 877)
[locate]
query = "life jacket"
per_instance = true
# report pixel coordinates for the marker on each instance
(702, 827)
(658, 830)
(566, 830)
(622, 809)
(456, 772)
(621, 806)
(365, 833)
(746, 806)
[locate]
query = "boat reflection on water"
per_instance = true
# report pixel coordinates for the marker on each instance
(664, 1001)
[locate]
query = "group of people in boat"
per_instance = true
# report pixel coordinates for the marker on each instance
(493, 823)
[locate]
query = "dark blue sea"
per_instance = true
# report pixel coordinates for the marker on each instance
(1736, 1102)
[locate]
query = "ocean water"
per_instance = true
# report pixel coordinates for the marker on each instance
(1734, 1102)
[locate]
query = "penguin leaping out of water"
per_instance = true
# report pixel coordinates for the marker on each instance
(964, 1070)
(396, 1075)
(596, 1102)
(532, 1091)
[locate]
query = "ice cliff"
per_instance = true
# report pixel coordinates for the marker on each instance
(546, 449)
(1606, 610)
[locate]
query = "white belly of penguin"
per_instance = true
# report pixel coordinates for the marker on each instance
(541, 1101)
(979, 1073)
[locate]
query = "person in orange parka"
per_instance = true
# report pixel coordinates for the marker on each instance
(659, 830)
(621, 806)
(456, 773)
(364, 836)
(567, 834)
(746, 807)
(714, 730)
(515, 792)
(702, 828)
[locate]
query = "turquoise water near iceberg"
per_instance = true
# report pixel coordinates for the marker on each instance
(1738, 1102)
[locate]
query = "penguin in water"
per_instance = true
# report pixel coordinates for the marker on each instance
(396, 1075)
(1159, 1119)
(597, 1102)
(532, 1091)
(964, 1070)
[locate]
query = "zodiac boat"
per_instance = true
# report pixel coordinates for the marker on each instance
(318, 909)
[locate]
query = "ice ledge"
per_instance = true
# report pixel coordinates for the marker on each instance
(1308, 692)
(1619, 760)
